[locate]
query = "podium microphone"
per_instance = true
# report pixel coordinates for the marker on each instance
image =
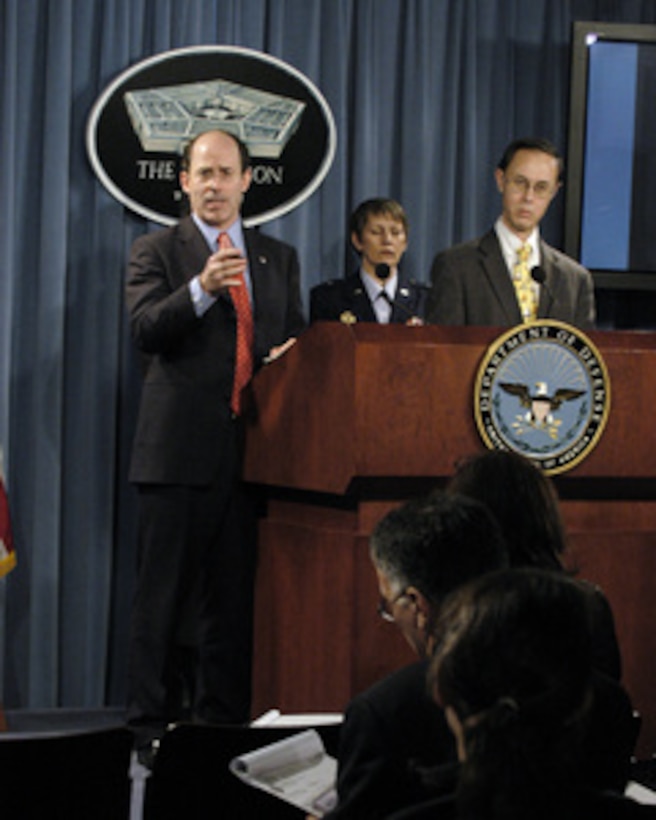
(538, 275)
(382, 272)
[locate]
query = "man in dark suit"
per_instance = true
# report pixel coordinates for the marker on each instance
(378, 291)
(394, 731)
(475, 283)
(191, 628)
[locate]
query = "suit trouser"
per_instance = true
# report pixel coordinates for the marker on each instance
(192, 615)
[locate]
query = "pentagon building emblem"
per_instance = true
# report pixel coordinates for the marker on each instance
(165, 118)
(542, 390)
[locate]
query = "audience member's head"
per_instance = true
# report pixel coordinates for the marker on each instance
(522, 499)
(424, 550)
(512, 668)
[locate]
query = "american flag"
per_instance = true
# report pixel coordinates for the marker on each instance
(7, 553)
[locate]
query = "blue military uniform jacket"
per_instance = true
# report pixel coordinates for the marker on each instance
(347, 300)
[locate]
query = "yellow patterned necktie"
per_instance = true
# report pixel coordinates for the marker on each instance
(524, 287)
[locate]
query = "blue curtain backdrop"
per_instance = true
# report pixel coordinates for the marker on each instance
(425, 94)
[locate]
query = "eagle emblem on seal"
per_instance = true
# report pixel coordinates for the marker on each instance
(540, 406)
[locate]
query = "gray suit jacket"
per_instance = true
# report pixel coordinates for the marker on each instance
(189, 361)
(471, 286)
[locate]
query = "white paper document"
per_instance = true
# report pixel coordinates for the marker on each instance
(640, 793)
(300, 720)
(296, 769)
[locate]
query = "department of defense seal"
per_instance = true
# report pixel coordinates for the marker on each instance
(542, 390)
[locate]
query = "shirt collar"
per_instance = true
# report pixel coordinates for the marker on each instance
(510, 244)
(211, 234)
(374, 289)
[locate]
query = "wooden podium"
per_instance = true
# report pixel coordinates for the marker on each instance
(353, 420)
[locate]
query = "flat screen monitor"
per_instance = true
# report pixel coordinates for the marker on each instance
(610, 200)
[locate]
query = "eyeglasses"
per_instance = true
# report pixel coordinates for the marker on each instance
(385, 606)
(521, 185)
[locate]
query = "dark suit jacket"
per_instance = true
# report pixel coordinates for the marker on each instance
(580, 803)
(471, 286)
(390, 733)
(394, 740)
(189, 361)
(330, 300)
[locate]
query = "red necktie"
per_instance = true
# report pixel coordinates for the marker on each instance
(244, 353)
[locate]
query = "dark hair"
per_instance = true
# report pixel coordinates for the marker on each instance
(376, 207)
(513, 659)
(436, 543)
(531, 144)
(522, 499)
(185, 159)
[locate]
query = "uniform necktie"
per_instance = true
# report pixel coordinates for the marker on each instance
(385, 312)
(244, 345)
(524, 287)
